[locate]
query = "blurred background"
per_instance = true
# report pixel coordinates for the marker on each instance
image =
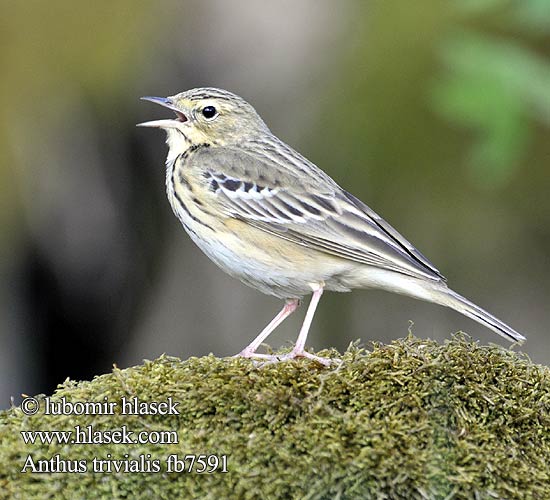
(436, 114)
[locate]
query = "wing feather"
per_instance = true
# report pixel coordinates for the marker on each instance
(309, 210)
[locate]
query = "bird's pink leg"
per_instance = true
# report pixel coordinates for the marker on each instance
(302, 336)
(299, 351)
(299, 348)
(250, 350)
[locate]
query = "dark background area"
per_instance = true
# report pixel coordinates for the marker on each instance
(436, 114)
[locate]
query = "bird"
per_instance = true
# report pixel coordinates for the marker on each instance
(271, 218)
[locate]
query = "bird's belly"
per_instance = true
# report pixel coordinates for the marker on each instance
(257, 272)
(271, 265)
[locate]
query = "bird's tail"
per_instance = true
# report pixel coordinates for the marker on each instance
(449, 298)
(439, 293)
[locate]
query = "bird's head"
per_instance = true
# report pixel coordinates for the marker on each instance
(207, 116)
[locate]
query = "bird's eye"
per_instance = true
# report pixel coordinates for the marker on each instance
(209, 112)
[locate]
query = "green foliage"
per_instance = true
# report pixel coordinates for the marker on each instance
(497, 85)
(413, 419)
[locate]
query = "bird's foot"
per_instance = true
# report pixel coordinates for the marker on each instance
(253, 355)
(277, 358)
(304, 354)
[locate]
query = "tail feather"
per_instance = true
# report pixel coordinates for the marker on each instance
(449, 298)
(436, 292)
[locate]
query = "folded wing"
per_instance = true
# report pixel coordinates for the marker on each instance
(285, 195)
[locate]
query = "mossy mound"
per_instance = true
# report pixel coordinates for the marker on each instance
(413, 419)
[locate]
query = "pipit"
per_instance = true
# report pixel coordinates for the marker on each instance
(271, 218)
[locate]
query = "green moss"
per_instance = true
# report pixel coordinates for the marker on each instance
(413, 419)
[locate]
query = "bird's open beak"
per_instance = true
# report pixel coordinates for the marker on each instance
(167, 103)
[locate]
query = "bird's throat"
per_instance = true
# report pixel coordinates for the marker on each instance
(178, 143)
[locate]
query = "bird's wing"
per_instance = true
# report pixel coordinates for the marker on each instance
(291, 198)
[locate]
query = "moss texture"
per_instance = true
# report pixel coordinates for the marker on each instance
(413, 419)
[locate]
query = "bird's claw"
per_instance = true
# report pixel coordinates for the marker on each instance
(278, 358)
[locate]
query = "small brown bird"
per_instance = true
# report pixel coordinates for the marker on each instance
(271, 218)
